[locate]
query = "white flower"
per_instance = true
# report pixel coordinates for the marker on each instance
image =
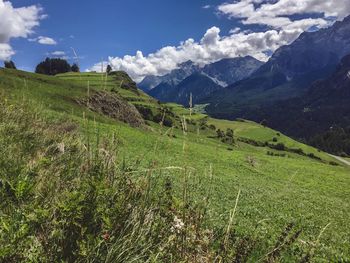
(178, 225)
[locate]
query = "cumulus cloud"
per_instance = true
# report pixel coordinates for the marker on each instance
(6, 51)
(16, 22)
(212, 47)
(276, 15)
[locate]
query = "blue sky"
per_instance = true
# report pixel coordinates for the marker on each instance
(114, 27)
(151, 37)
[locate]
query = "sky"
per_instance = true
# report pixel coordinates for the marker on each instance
(152, 37)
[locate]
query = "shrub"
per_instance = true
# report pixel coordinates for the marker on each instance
(75, 68)
(146, 112)
(10, 64)
(333, 163)
(297, 151)
(163, 118)
(280, 146)
(220, 133)
(212, 127)
(229, 133)
(313, 156)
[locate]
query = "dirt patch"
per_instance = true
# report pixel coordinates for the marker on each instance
(113, 106)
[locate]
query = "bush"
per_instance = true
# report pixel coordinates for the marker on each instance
(75, 68)
(163, 118)
(229, 133)
(10, 64)
(333, 163)
(212, 127)
(313, 156)
(220, 134)
(280, 146)
(146, 112)
(298, 151)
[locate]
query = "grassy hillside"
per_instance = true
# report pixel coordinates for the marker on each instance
(275, 189)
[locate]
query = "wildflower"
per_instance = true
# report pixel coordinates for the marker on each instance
(106, 236)
(61, 147)
(178, 225)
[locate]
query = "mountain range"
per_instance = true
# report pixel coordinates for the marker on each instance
(190, 78)
(303, 90)
(321, 116)
(288, 73)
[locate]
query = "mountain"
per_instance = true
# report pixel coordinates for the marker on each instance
(287, 74)
(197, 84)
(231, 70)
(334, 88)
(149, 82)
(173, 78)
(324, 105)
(321, 117)
(211, 77)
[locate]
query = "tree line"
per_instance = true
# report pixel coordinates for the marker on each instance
(53, 66)
(50, 66)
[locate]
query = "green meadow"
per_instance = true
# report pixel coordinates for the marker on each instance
(298, 185)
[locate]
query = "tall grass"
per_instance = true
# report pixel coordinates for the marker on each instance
(70, 198)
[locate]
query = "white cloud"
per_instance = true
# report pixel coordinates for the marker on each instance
(58, 53)
(43, 40)
(16, 22)
(235, 30)
(206, 6)
(46, 40)
(212, 47)
(275, 13)
(5, 51)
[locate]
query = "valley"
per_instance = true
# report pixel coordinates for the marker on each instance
(277, 186)
(175, 131)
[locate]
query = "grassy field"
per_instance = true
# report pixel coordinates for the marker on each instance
(275, 190)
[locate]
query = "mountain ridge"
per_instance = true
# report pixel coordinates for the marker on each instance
(211, 77)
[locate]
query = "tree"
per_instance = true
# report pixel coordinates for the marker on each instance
(264, 123)
(53, 66)
(75, 68)
(109, 69)
(10, 64)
